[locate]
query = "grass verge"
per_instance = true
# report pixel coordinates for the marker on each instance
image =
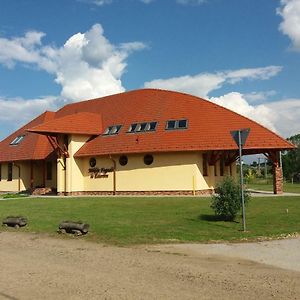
(287, 187)
(125, 221)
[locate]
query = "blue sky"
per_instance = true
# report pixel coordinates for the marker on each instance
(242, 54)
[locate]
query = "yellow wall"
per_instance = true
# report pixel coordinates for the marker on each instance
(72, 181)
(168, 172)
(25, 167)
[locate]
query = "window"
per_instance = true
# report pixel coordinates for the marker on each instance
(132, 127)
(123, 160)
(92, 162)
(49, 170)
(142, 127)
(216, 169)
(204, 164)
(9, 171)
(171, 125)
(112, 130)
(148, 159)
(176, 124)
(17, 140)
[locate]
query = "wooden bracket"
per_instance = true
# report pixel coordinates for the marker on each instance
(59, 150)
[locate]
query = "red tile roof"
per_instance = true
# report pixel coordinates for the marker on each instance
(77, 123)
(32, 147)
(209, 127)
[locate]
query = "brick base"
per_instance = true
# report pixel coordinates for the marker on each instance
(139, 193)
(277, 180)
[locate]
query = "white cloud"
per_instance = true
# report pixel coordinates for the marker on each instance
(86, 66)
(259, 96)
(290, 26)
(237, 102)
(191, 2)
(287, 112)
(202, 84)
(96, 2)
(21, 110)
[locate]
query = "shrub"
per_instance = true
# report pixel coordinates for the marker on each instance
(226, 203)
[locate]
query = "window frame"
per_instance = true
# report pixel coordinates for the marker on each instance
(112, 130)
(17, 140)
(142, 127)
(176, 124)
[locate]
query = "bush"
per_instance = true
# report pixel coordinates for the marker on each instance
(227, 201)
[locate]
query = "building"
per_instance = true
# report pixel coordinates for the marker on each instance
(139, 142)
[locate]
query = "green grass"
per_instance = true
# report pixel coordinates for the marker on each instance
(126, 221)
(12, 196)
(262, 186)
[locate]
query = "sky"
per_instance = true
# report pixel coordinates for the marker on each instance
(241, 54)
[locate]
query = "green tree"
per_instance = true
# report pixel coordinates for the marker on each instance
(226, 203)
(291, 160)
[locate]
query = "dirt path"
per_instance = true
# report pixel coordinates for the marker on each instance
(41, 267)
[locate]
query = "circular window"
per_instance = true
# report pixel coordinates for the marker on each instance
(93, 162)
(123, 160)
(148, 159)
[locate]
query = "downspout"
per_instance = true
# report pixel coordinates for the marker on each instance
(114, 174)
(19, 176)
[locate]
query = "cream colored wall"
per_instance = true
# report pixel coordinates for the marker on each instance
(38, 177)
(13, 186)
(169, 171)
(73, 180)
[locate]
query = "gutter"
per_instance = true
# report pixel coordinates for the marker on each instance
(114, 174)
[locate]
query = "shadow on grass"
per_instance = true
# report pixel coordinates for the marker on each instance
(214, 218)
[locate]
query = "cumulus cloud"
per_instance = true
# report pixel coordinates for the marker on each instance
(290, 25)
(86, 66)
(255, 97)
(22, 110)
(202, 84)
(260, 113)
(287, 112)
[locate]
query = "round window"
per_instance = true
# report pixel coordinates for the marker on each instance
(93, 162)
(148, 159)
(123, 160)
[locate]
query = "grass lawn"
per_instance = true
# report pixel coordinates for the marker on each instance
(287, 187)
(126, 221)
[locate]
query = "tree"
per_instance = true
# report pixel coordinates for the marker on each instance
(291, 160)
(226, 203)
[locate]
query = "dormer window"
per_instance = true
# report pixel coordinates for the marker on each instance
(142, 127)
(177, 124)
(17, 140)
(112, 130)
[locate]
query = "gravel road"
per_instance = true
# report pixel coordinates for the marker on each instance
(35, 266)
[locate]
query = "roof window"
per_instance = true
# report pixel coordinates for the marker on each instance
(17, 140)
(142, 127)
(177, 124)
(112, 130)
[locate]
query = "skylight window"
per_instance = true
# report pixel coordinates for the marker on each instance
(177, 124)
(132, 127)
(17, 140)
(112, 130)
(142, 127)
